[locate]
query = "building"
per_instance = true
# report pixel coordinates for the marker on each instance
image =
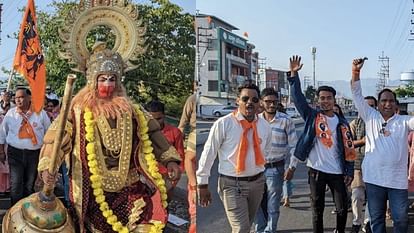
(224, 61)
(276, 79)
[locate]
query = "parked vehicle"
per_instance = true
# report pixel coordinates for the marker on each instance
(224, 110)
(292, 112)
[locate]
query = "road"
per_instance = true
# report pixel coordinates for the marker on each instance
(297, 218)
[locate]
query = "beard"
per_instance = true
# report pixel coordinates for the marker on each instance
(112, 107)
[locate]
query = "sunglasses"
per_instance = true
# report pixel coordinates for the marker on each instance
(245, 99)
(383, 125)
(270, 101)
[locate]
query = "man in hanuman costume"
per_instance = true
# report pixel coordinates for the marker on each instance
(112, 149)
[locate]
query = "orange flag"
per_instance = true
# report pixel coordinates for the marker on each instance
(29, 60)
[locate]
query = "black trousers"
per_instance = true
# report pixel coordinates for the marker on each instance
(23, 172)
(317, 182)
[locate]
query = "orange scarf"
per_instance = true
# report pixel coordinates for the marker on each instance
(244, 145)
(26, 129)
(325, 135)
(322, 131)
(350, 154)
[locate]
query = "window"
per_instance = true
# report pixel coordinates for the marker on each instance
(212, 85)
(212, 65)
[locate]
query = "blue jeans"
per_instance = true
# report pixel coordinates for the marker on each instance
(377, 203)
(268, 213)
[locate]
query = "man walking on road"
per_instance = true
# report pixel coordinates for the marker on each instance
(23, 131)
(240, 140)
(357, 185)
(326, 143)
(283, 143)
(385, 164)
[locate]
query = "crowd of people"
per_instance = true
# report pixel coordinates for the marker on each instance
(128, 141)
(363, 163)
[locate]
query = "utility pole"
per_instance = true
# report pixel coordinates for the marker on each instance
(384, 73)
(313, 50)
(1, 16)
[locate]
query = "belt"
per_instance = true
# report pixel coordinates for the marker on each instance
(243, 178)
(14, 148)
(275, 164)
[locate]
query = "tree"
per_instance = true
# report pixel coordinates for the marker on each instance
(310, 94)
(406, 91)
(166, 70)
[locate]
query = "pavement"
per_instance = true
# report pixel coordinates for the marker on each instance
(297, 218)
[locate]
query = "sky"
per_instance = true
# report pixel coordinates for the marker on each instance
(340, 30)
(11, 19)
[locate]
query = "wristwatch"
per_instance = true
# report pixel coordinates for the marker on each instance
(292, 168)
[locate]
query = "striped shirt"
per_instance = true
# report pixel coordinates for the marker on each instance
(284, 138)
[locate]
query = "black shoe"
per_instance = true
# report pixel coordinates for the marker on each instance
(367, 228)
(355, 228)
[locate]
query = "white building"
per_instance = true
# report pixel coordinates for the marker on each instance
(224, 61)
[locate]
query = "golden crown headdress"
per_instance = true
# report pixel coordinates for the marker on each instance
(122, 18)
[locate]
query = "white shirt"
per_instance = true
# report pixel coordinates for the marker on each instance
(284, 139)
(326, 159)
(9, 130)
(386, 157)
(223, 140)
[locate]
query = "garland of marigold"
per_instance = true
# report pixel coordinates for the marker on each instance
(96, 178)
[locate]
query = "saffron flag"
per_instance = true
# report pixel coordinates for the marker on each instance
(29, 60)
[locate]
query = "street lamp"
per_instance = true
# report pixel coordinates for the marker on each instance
(313, 49)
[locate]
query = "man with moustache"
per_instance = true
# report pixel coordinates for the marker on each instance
(357, 186)
(23, 131)
(241, 140)
(112, 149)
(327, 148)
(283, 145)
(385, 164)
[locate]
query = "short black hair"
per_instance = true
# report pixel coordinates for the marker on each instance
(370, 97)
(155, 106)
(26, 90)
(387, 90)
(55, 102)
(268, 91)
(326, 88)
(248, 85)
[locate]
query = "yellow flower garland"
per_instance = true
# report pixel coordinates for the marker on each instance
(96, 178)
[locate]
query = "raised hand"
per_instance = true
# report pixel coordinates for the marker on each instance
(295, 65)
(357, 64)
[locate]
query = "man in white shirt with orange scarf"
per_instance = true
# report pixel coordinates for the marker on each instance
(240, 140)
(385, 164)
(23, 131)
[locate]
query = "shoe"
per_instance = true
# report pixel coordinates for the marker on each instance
(355, 228)
(367, 228)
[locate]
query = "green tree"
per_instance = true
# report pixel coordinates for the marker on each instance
(407, 91)
(166, 70)
(310, 93)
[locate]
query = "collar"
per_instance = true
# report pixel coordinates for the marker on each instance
(240, 117)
